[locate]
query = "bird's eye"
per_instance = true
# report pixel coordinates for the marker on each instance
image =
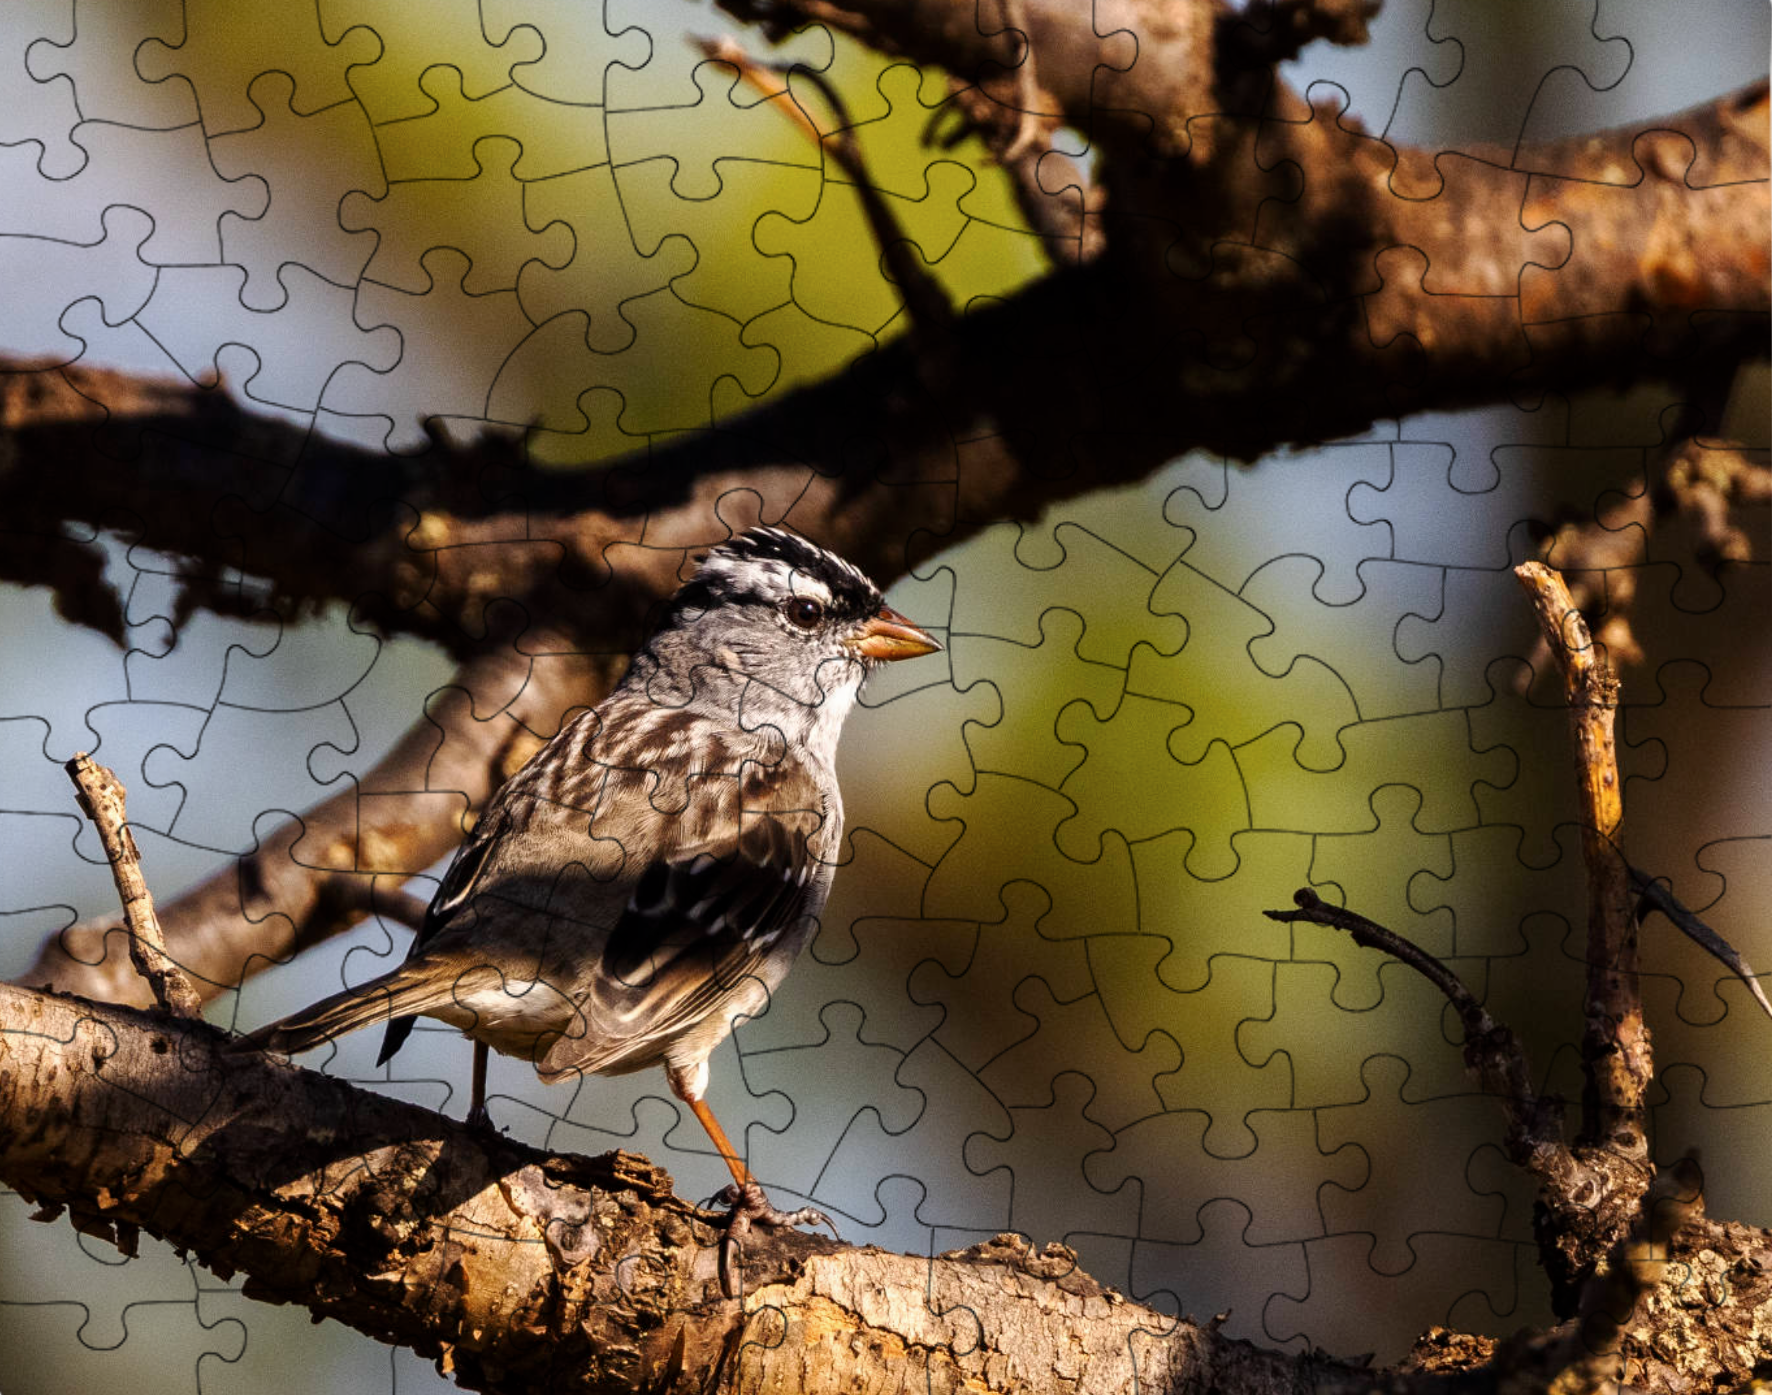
(804, 612)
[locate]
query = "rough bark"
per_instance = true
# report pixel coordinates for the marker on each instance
(519, 1270)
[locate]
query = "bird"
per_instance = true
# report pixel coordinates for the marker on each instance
(648, 878)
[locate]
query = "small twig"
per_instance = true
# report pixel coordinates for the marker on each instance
(101, 797)
(1654, 896)
(1615, 1042)
(924, 298)
(1490, 1049)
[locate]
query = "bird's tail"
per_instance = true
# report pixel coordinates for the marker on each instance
(414, 987)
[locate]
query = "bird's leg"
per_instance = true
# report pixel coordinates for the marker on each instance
(749, 1202)
(478, 1118)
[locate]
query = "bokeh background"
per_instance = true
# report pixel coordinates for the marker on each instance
(1043, 998)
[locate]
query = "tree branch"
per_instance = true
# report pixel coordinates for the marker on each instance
(101, 797)
(520, 1270)
(1491, 1050)
(1615, 1044)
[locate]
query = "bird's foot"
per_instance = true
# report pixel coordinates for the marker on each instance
(750, 1207)
(481, 1122)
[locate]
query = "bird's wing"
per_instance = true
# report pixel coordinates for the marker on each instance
(703, 919)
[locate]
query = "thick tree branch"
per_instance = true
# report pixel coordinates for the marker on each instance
(1279, 310)
(520, 1270)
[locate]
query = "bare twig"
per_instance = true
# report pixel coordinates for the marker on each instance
(1491, 1050)
(1654, 896)
(929, 308)
(101, 797)
(1615, 1042)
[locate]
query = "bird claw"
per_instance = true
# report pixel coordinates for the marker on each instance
(481, 1121)
(750, 1206)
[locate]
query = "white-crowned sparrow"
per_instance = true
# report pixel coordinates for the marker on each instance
(650, 876)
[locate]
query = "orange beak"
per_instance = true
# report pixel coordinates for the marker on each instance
(889, 636)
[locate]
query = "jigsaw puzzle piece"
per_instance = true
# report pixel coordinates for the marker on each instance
(870, 940)
(127, 734)
(1235, 537)
(482, 217)
(955, 1106)
(1131, 783)
(1711, 1021)
(37, 700)
(1054, 1134)
(729, 121)
(925, 729)
(1537, 990)
(1220, 1273)
(832, 1084)
(730, 274)
(555, 138)
(1448, 507)
(1204, 918)
(1228, 698)
(413, 40)
(636, 1113)
(1032, 684)
(1575, 99)
(1498, 88)
(1077, 1035)
(1476, 618)
(1327, 1044)
(331, 1351)
(1069, 568)
(298, 344)
(43, 111)
(666, 379)
(1729, 1138)
(1356, 641)
(1432, 1167)
(453, 346)
(606, 270)
(1215, 1076)
(1493, 1285)
(579, 45)
(1491, 890)
(165, 174)
(1687, 611)
(316, 160)
(97, 1330)
(837, 274)
(47, 278)
(976, 977)
(1676, 738)
(98, 60)
(1370, 873)
(1005, 835)
(276, 745)
(1285, 794)
(1404, 46)
(1276, 1182)
(223, 47)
